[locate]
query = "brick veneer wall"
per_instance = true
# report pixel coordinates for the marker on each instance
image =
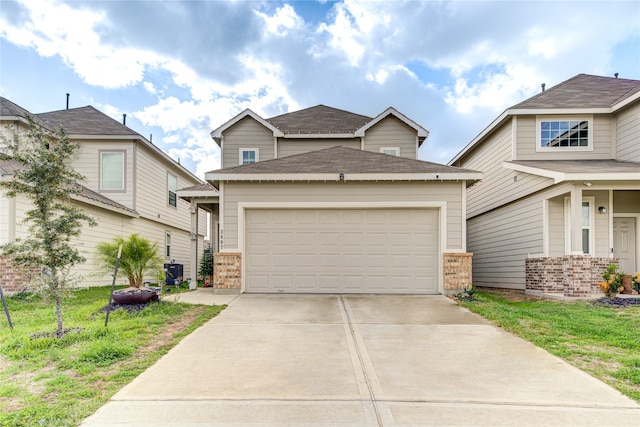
(227, 272)
(457, 271)
(570, 276)
(14, 278)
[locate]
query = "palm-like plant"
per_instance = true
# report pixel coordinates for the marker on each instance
(139, 256)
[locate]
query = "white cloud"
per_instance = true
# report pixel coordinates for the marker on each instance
(197, 64)
(284, 20)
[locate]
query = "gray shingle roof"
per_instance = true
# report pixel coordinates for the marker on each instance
(319, 120)
(583, 91)
(85, 121)
(342, 160)
(581, 166)
(9, 109)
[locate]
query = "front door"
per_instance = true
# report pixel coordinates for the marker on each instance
(624, 243)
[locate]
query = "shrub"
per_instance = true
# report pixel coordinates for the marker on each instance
(612, 282)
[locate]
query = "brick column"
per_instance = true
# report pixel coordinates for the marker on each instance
(227, 272)
(457, 272)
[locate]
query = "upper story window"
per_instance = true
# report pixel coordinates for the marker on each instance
(571, 134)
(172, 186)
(112, 170)
(392, 151)
(248, 155)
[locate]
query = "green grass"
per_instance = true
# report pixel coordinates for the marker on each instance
(58, 382)
(603, 341)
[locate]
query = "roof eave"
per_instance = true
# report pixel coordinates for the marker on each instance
(337, 177)
(101, 205)
(559, 177)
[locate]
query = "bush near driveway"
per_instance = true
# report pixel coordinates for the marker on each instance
(601, 340)
(60, 381)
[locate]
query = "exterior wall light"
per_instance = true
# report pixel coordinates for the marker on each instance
(602, 210)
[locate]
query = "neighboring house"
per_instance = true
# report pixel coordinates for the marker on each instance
(130, 187)
(560, 197)
(327, 201)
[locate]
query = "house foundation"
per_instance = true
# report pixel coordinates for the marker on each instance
(227, 272)
(569, 276)
(457, 272)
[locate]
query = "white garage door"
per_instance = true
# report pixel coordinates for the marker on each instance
(342, 251)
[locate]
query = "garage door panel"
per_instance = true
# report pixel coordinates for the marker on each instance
(342, 250)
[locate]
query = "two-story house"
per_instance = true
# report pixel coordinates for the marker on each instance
(130, 187)
(560, 195)
(323, 200)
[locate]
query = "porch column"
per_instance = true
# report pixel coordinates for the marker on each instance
(193, 259)
(576, 220)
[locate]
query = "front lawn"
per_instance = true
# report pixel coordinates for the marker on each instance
(58, 382)
(603, 341)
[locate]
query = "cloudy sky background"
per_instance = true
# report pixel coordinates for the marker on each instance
(179, 69)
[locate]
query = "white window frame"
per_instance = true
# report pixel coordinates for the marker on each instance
(241, 152)
(591, 227)
(540, 119)
(124, 174)
(396, 151)
(169, 175)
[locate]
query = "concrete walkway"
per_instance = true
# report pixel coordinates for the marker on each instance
(292, 360)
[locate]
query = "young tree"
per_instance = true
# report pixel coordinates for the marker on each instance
(206, 263)
(139, 256)
(45, 177)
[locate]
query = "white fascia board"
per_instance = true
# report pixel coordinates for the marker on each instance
(471, 176)
(422, 132)
(216, 134)
(105, 206)
(604, 176)
(217, 177)
(319, 135)
(626, 101)
(556, 176)
(198, 194)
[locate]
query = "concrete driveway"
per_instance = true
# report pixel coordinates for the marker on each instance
(362, 360)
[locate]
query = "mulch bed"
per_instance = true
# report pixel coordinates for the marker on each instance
(131, 308)
(617, 302)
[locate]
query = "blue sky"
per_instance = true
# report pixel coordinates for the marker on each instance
(179, 69)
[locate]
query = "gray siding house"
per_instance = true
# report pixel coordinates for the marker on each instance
(560, 196)
(323, 200)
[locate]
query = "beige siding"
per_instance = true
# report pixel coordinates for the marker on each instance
(527, 140)
(449, 192)
(110, 225)
(499, 184)
(626, 201)
(557, 231)
(500, 241)
(247, 133)
(628, 134)
(152, 193)
(292, 146)
(87, 162)
(392, 132)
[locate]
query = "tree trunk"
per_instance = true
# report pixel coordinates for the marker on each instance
(59, 313)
